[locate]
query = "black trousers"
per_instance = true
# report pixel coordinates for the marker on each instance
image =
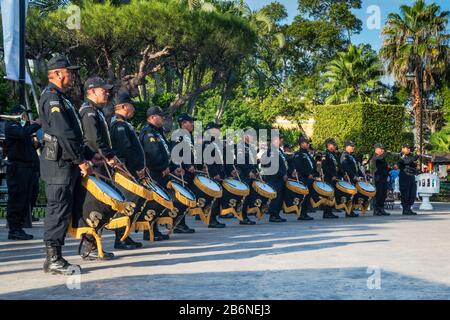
(306, 202)
(408, 190)
(381, 186)
(276, 204)
(19, 181)
(60, 181)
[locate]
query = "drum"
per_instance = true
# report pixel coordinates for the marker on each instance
(161, 208)
(366, 192)
(205, 190)
(294, 195)
(344, 192)
(234, 193)
(322, 194)
(184, 200)
(259, 199)
(96, 202)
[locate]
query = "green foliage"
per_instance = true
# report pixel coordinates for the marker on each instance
(440, 141)
(6, 94)
(365, 124)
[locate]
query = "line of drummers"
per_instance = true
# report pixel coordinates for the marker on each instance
(101, 174)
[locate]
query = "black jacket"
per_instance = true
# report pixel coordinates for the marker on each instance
(96, 131)
(61, 120)
(217, 164)
(408, 164)
(125, 144)
(182, 144)
(350, 166)
(305, 164)
(283, 168)
(331, 166)
(156, 148)
(19, 142)
(381, 167)
(246, 160)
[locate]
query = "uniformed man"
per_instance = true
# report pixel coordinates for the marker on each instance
(407, 179)
(306, 170)
(157, 151)
(186, 141)
(247, 165)
(331, 170)
(63, 160)
(277, 179)
(350, 167)
(380, 176)
(22, 158)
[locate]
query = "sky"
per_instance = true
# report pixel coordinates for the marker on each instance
(370, 33)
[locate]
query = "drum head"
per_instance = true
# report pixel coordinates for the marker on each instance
(236, 184)
(184, 191)
(366, 186)
(265, 187)
(160, 191)
(297, 184)
(210, 184)
(106, 188)
(346, 185)
(324, 186)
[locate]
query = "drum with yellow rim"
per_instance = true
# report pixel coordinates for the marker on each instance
(206, 191)
(366, 192)
(234, 193)
(322, 194)
(184, 198)
(260, 196)
(162, 206)
(294, 195)
(344, 193)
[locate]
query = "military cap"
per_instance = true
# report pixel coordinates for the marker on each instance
(60, 62)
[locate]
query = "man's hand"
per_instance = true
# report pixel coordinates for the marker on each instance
(252, 175)
(334, 179)
(285, 178)
(37, 121)
(85, 168)
(295, 174)
(234, 173)
(310, 176)
(141, 173)
(166, 172)
(113, 162)
(217, 177)
(191, 169)
(179, 172)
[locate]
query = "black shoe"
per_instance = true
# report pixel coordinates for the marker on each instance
(182, 228)
(377, 212)
(247, 222)
(56, 264)
(213, 223)
(305, 217)
(406, 212)
(93, 256)
(330, 215)
(412, 213)
(352, 215)
(227, 216)
(276, 219)
(124, 245)
(19, 234)
(384, 213)
(88, 250)
(129, 240)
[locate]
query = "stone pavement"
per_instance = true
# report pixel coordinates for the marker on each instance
(394, 257)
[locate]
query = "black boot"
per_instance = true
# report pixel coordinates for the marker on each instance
(129, 240)
(247, 221)
(213, 223)
(88, 250)
(305, 217)
(125, 244)
(352, 215)
(56, 264)
(328, 213)
(377, 212)
(182, 227)
(19, 234)
(159, 236)
(276, 218)
(384, 213)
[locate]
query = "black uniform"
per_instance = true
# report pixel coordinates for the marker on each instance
(62, 121)
(306, 168)
(331, 170)
(183, 143)
(126, 145)
(276, 180)
(381, 181)
(22, 161)
(407, 180)
(246, 164)
(350, 166)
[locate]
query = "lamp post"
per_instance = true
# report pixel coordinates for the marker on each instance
(413, 72)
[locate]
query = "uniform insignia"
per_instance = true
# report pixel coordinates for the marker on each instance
(152, 139)
(54, 103)
(120, 128)
(55, 109)
(91, 114)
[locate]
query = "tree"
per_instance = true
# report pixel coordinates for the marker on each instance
(353, 76)
(416, 41)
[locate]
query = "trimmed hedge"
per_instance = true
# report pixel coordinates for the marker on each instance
(363, 123)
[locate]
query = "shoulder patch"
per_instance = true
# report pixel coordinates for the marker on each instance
(54, 103)
(120, 128)
(91, 114)
(55, 109)
(152, 139)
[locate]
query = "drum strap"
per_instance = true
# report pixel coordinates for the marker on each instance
(75, 112)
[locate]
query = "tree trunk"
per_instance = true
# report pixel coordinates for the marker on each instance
(417, 114)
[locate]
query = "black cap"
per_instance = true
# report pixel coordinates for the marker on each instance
(303, 139)
(211, 125)
(122, 97)
(96, 82)
(349, 143)
(407, 145)
(185, 117)
(330, 141)
(378, 145)
(155, 111)
(18, 109)
(60, 62)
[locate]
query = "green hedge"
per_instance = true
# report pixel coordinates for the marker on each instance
(363, 123)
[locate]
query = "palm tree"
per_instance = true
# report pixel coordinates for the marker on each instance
(353, 76)
(415, 45)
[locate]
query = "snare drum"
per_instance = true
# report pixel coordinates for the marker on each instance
(162, 206)
(294, 195)
(234, 193)
(259, 199)
(344, 192)
(205, 190)
(184, 198)
(322, 194)
(366, 192)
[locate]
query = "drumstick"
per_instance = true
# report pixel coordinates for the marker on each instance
(176, 177)
(237, 172)
(182, 178)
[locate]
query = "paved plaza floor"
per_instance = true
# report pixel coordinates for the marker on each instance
(396, 257)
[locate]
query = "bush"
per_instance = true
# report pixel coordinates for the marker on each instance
(363, 123)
